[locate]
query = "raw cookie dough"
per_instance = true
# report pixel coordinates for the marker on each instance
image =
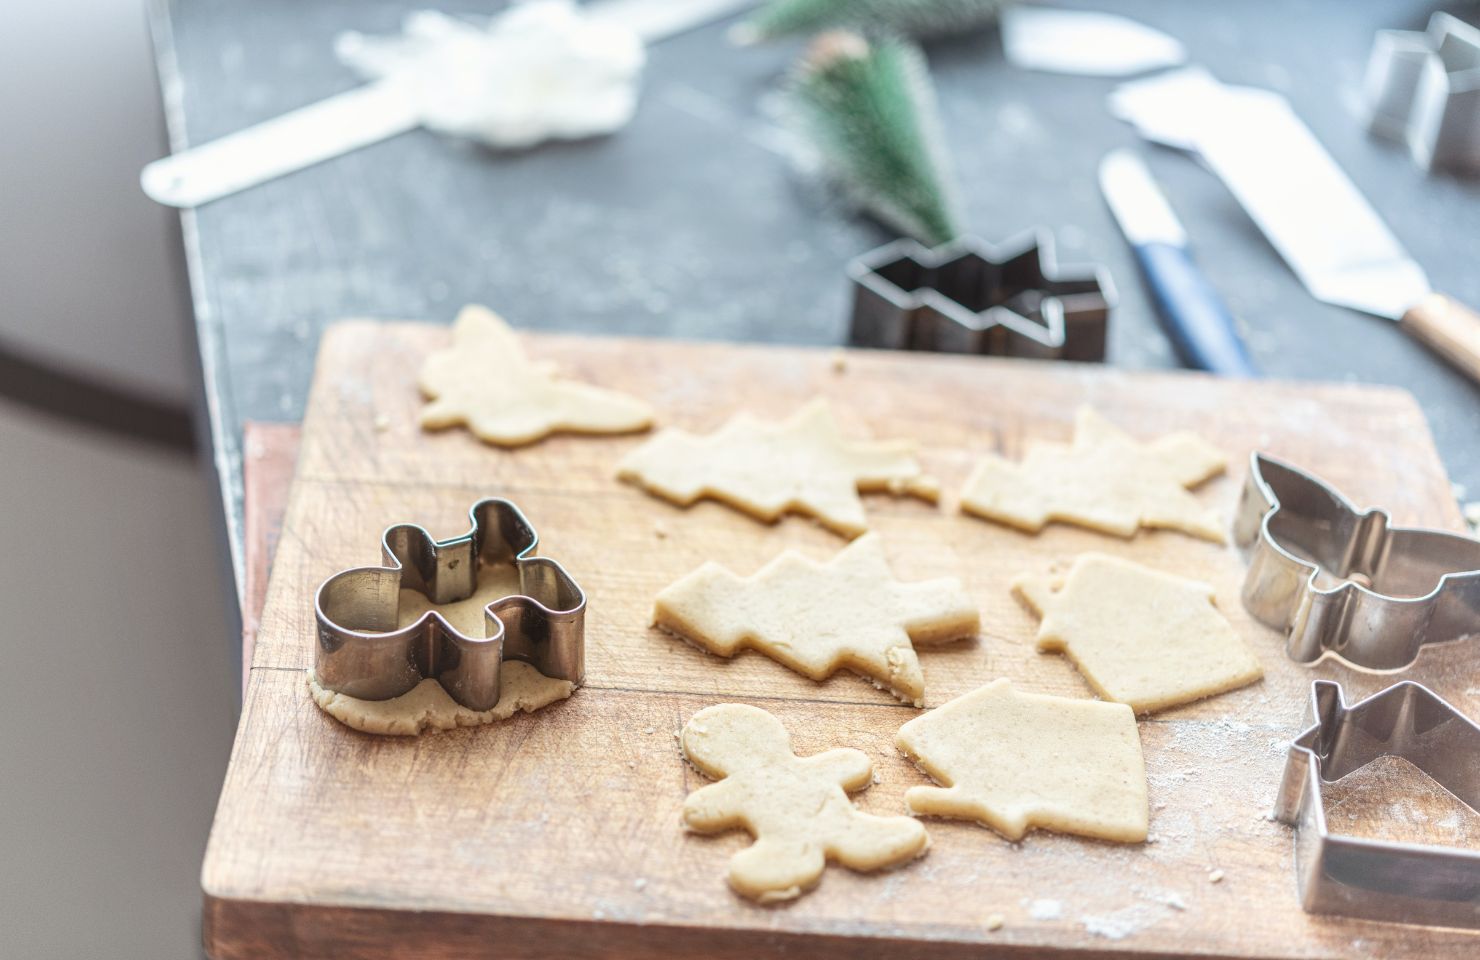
(486, 382)
(819, 617)
(1104, 480)
(1013, 761)
(428, 707)
(802, 465)
(795, 807)
(1141, 637)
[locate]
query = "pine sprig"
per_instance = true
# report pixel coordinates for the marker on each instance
(870, 112)
(906, 18)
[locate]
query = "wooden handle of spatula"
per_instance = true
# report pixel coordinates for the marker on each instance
(1450, 329)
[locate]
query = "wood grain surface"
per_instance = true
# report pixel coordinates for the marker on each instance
(557, 834)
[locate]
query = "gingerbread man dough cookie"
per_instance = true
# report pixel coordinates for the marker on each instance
(1141, 637)
(817, 618)
(795, 807)
(1104, 480)
(487, 383)
(802, 465)
(1013, 761)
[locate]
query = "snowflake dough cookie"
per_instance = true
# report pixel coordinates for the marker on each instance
(794, 807)
(486, 382)
(1141, 637)
(802, 465)
(1104, 480)
(817, 618)
(1013, 761)
(427, 706)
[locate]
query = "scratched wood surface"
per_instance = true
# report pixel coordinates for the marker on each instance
(556, 834)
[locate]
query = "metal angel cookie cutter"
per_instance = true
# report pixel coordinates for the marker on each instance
(968, 296)
(1399, 588)
(1373, 879)
(1423, 89)
(362, 653)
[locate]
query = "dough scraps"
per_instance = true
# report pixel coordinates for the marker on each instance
(801, 465)
(1104, 480)
(1013, 761)
(485, 381)
(1140, 637)
(817, 618)
(796, 808)
(428, 707)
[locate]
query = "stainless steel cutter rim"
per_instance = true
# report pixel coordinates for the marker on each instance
(1051, 333)
(557, 652)
(1336, 593)
(1429, 883)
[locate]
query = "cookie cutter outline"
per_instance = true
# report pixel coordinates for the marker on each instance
(1423, 90)
(969, 296)
(362, 653)
(1376, 879)
(1421, 586)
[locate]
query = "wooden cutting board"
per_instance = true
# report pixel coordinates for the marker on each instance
(557, 834)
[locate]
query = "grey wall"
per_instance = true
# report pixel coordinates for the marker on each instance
(119, 700)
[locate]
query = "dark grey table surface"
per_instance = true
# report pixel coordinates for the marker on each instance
(690, 223)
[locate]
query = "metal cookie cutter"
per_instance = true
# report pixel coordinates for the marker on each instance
(1401, 588)
(968, 296)
(362, 653)
(1423, 89)
(1380, 880)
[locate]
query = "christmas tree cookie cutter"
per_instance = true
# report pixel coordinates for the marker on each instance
(969, 296)
(1373, 879)
(363, 653)
(1397, 588)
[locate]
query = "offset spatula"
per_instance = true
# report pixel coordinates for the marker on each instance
(1313, 215)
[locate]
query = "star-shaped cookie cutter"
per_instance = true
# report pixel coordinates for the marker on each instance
(969, 296)
(361, 652)
(1423, 88)
(1374, 879)
(1399, 587)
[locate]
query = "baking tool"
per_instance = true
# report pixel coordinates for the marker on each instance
(366, 115)
(1374, 879)
(362, 653)
(1307, 208)
(1084, 42)
(1423, 89)
(1400, 588)
(1193, 315)
(550, 832)
(969, 296)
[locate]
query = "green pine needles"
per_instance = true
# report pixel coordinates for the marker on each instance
(907, 18)
(869, 111)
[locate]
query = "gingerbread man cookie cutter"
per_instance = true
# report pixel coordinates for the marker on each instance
(363, 653)
(1373, 879)
(1399, 588)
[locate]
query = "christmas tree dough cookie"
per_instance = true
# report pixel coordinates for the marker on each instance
(427, 706)
(1104, 480)
(1141, 637)
(817, 618)
(1014, 761)
(802, 465)
(485, 381)
(796, 808)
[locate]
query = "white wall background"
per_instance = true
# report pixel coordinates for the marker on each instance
(118, 706)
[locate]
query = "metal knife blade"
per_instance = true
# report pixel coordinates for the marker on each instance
(1200, 327)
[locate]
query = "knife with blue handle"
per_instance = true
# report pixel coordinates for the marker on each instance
(1200, 327)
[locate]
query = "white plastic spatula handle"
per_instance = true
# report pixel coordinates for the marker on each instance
(301, 138)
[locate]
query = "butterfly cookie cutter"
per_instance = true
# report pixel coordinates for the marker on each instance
(1397, 588)
(969, 296)
(362, 652)
(1373, 879)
